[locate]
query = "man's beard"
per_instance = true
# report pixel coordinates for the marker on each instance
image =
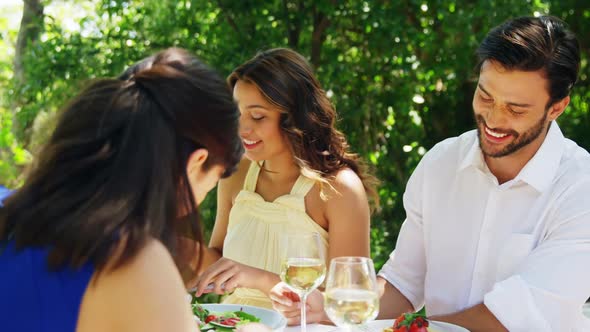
(520, 139)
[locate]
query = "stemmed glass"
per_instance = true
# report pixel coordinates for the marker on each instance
(304, 267)
(351, 297)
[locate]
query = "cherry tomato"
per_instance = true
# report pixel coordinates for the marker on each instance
(402, 328)
(417, 328)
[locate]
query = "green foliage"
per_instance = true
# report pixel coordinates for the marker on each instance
(13, 157)
(399, 72)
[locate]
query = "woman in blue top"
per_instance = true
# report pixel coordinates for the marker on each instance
(95, 238)
(4, 192)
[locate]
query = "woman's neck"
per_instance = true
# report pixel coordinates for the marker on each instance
(281, 169)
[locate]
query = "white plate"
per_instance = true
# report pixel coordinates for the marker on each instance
(379, 325)
(270, 318)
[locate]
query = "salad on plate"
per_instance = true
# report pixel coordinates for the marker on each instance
(413, 322)
(409, 322)
(221, 321)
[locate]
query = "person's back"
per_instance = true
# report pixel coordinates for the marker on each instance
(31, 290)
(3, 193)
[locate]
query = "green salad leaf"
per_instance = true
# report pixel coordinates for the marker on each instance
(244, 316)
(221, 322)
(199, 311)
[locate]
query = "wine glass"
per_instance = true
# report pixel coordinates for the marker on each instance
(304, 266)
(351, 297)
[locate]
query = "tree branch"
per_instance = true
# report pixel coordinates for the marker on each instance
(320, 24)
(293, 26)
(229, 18)
(31, 26)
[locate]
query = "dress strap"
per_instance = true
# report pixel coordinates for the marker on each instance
(302, 186)
(252, 177)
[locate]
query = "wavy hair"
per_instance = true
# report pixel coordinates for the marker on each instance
(307, 120)
(114, 171)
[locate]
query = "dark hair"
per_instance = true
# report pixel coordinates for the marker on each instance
(536, 43)
(308, 117)
(115, 167)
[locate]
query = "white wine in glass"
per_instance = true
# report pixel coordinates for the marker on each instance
(351, 297)
(304, 274)
(304, 266)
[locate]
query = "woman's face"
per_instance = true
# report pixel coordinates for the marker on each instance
(259, 124)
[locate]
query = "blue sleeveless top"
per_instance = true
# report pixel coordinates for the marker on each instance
(33, 299)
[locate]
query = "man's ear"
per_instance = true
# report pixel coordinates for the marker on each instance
(196, 161)
(557, 108)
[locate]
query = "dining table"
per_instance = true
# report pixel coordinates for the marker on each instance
(313, 328)
(328, 328)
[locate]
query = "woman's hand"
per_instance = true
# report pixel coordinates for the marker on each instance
(289, 304)
(226, 275)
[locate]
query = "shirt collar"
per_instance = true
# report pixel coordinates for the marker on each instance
(539, 171)
(473, 157)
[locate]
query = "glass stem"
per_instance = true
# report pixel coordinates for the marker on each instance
(303, 318)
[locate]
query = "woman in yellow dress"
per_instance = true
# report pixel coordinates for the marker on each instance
(299, 175)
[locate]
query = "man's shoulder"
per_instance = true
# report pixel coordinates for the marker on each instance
(576, 154)
(570, 190)
(575, 163)
(452, 149)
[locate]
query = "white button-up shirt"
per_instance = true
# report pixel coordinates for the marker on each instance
(521, 247)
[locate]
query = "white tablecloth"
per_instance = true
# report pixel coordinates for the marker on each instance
(328, 328)
(313, 328)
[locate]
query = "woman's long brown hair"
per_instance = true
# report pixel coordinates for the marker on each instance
(308, 117)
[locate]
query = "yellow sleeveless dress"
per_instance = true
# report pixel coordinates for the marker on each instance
(255, 229)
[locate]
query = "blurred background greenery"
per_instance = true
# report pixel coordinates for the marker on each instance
(400, 72)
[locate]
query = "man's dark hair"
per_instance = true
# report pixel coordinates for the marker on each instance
(536, 43)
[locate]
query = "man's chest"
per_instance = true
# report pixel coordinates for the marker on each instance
(478, 233)
(473, 208)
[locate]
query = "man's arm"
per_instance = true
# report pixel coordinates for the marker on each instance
(393, 303)
(401, 279)
(475, 319)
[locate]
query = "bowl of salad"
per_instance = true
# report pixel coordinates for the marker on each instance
(226, 317)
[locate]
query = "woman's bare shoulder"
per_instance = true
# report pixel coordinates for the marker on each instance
(143, 294)
(346, 182)
(343, 190)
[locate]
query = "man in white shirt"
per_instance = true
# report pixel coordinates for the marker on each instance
(497, 234)
(497, 229)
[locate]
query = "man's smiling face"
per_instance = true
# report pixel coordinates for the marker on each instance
(510, 109)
